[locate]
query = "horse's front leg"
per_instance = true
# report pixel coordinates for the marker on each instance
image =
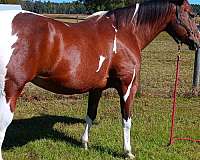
(93, 101)
(127, 93)
(6, 116)
(8, 97)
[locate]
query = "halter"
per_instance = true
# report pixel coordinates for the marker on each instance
(189, 31)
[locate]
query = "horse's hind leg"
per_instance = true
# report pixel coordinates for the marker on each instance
(93, 101)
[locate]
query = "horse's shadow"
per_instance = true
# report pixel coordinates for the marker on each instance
(22, 131)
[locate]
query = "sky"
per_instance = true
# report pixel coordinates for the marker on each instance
(59, 1)
(194, 1)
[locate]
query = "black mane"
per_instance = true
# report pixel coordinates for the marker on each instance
(149, 12)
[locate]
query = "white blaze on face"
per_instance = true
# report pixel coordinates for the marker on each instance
(129, 87)
(101, 60)
(7, 39)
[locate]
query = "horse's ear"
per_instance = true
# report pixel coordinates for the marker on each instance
(178, 2)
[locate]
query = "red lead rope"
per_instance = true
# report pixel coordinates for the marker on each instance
(174, 101)
(172, 138)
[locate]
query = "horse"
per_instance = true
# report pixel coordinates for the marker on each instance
(102, 52)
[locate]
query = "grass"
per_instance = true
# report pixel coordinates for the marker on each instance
(48, 126)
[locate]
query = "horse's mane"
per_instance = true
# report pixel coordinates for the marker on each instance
(149, 11)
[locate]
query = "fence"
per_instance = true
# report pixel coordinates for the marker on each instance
(73, 18)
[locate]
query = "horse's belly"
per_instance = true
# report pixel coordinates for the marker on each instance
(63, 87)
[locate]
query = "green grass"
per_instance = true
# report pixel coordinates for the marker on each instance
(48, 126)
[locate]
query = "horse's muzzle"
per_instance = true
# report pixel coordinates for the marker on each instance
(193, 44)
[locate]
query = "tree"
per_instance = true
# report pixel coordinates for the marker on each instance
(50, 7)
(98, 5)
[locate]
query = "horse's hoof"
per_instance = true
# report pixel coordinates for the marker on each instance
(85, 145)
(129, 156)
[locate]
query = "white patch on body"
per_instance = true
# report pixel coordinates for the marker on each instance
(136, 10)
(100, 14)
(85, 135)
(127, 139)
(129, 87)
(115, 40)
(101, 60)
(52, 32)
(67, 24)
(115, 28)
(7, 39)
(74, 60)
(115, 44)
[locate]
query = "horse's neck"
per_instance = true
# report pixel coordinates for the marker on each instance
(146, 33)
(144, 29)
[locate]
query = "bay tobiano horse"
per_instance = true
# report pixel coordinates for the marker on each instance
(102, 52)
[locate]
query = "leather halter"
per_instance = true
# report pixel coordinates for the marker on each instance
(180, 22)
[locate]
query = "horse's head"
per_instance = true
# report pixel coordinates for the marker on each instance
(182, 27)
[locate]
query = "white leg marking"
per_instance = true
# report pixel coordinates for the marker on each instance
(101, 60)
(6, 117)
(127, 130)
(129, 87)
(85, 135)
(127, 138)
(136, 10)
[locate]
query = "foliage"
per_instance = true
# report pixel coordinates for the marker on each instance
(99, 5)
(49, 7)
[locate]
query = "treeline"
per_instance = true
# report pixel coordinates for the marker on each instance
(76, 7)
(79, 6)
(53, 8)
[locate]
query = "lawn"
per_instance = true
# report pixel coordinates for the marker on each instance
(48, 126)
